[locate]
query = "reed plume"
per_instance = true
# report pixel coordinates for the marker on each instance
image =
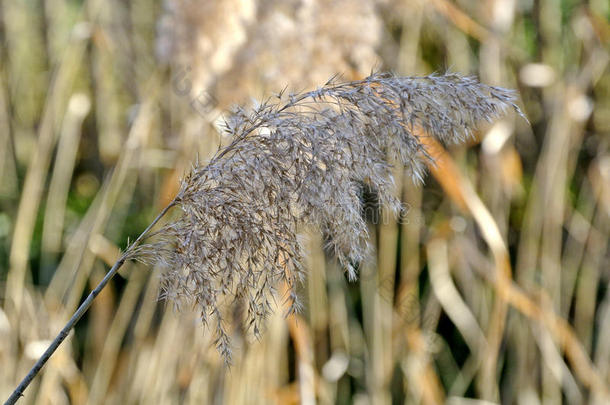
(302, 160)
(295, 160)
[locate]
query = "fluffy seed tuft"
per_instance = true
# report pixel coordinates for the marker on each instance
(302, 159)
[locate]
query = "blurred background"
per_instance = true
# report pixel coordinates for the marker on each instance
(493, 289)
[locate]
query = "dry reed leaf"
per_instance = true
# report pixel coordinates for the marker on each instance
(462, 20)
(462, 193)
(419, 369)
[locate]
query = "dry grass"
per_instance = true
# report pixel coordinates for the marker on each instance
(495, 287)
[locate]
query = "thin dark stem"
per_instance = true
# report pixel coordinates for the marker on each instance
(80, 312)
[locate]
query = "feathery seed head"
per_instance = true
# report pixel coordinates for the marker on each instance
(301, 159)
